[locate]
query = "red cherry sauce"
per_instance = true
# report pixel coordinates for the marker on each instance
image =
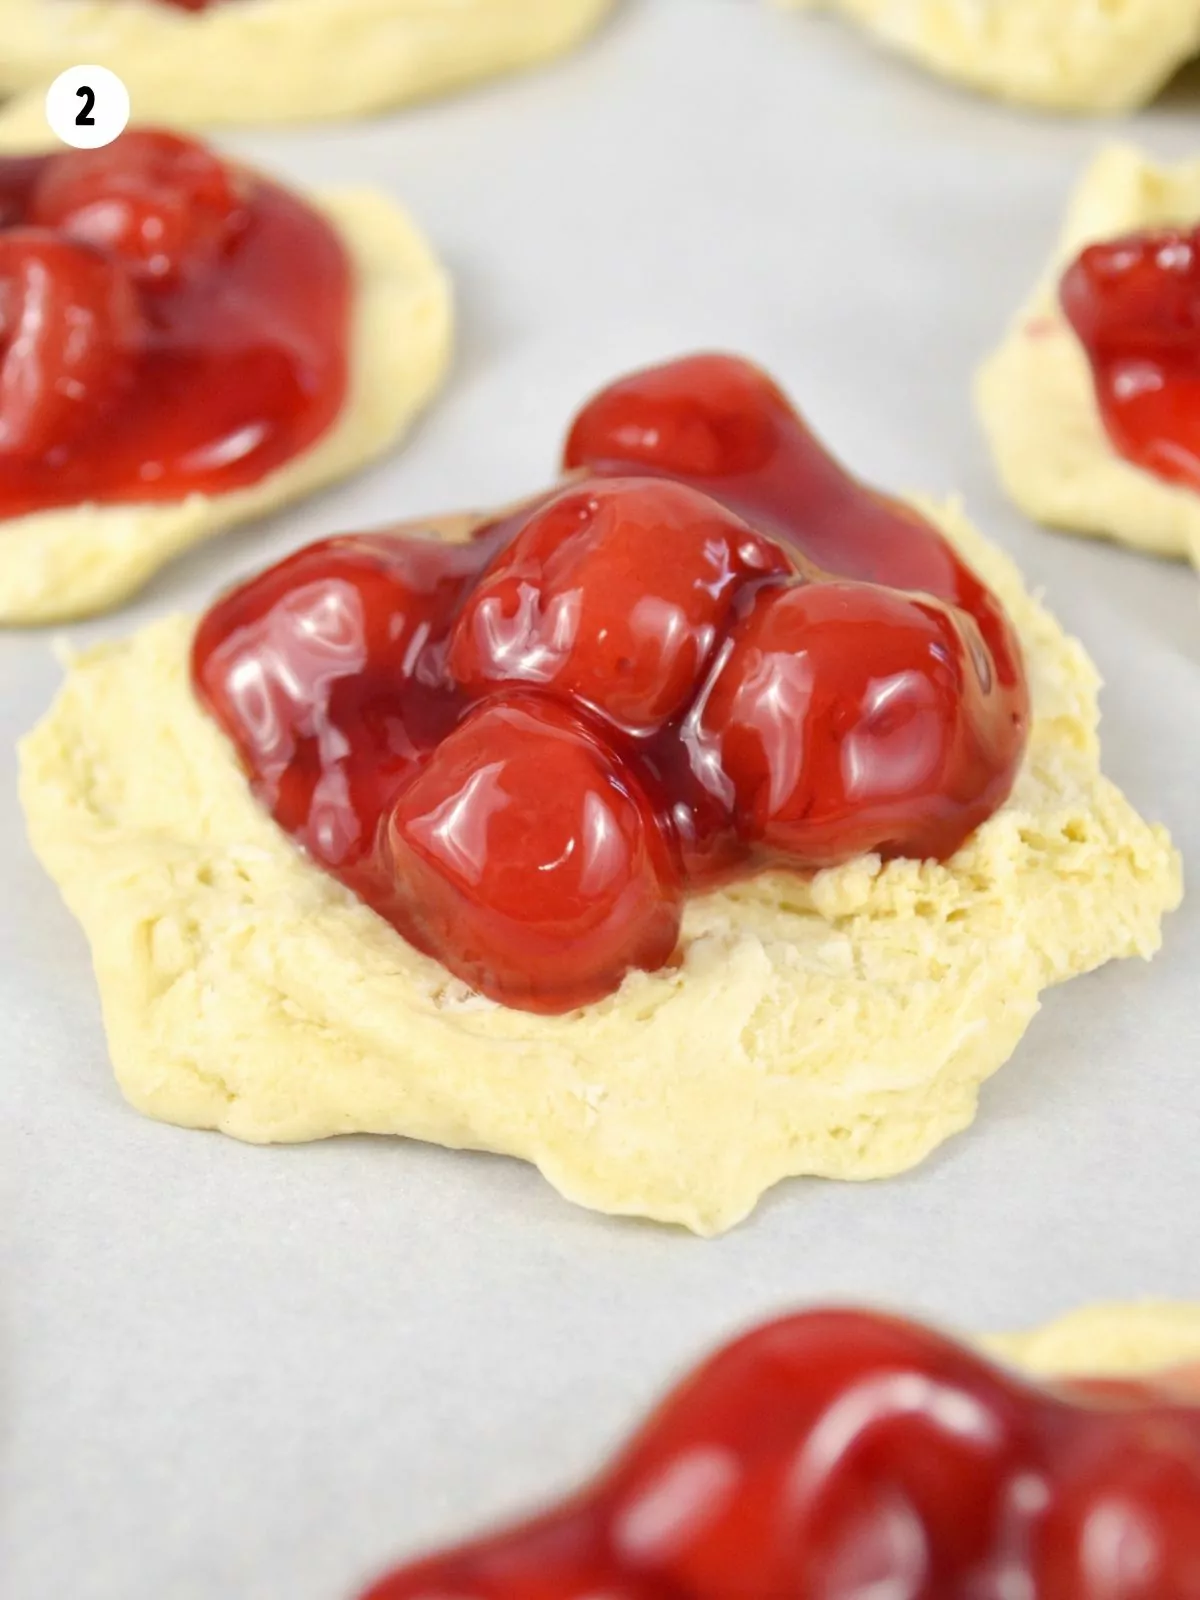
(837, 1455)
(707, 653)
(725, 428)
(168, 326)
(1134, 304)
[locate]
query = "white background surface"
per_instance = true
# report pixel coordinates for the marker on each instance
(241, 1374)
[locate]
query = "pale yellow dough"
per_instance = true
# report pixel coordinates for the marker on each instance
(83, 559)
(839, 1027)
(1106, 1341)
(1036, 396)
(1074, 55)
(245, 61)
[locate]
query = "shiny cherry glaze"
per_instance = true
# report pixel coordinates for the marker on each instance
(157, 338)
(1134, 303)
(839, 1455)
(328, 672)
(721, 425)
(164, 206)
(527, 792)
(524, 750)
(831, 749)
(616, 595)
(87, 329)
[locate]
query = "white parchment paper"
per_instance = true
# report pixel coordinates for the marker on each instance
(242, 1374)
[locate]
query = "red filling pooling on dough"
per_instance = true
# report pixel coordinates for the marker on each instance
(839, 1455)
(710, 652)
(168, 325)
(1134, 303)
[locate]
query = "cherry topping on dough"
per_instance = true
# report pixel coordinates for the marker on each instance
(70, 329)
(523, 752)
(157, 337)
(615, 594)
(1134, 304)
(162, 204)
(839, 1455)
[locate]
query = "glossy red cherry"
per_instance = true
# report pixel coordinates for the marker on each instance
(70, 332)
(1134, 304)
(162, 203)
(527, 860)
(1142, 288)
(1124, 1523)
(816, 1456)
(845, 1456)
(703, 418)
(850, 718)
(327, 673)
(903, 1482)
(613, 594)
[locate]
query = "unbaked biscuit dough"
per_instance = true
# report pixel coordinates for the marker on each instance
(74, 561)
(839, 1027)
(245, 61)
(1036, 396)
(1075, 55)
(1107, 1341)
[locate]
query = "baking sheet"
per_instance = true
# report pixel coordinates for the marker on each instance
(231, 1372)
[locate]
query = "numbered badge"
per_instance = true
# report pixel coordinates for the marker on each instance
(87, 107)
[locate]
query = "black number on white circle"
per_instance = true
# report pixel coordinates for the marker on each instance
(85, 119)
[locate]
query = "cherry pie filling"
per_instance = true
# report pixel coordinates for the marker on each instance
(708, 652)
(168, 325)
(1134, 304)
(840, 1455)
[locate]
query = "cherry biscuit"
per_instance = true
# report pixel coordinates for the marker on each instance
(164, 370)
(757, 708)
(705, 820)
(837, 1453)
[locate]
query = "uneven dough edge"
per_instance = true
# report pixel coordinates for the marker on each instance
(839, 1027)
(276, 60)
(1112, 1340)
(73, 562)
(1035, 394)
(1090, 57)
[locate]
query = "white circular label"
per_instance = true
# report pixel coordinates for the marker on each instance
(87, 107)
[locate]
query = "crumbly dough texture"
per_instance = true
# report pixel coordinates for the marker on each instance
(1106, 1341)
(247, 61)
(838, 1027)
(75, 561)
(1073, 55)
(1036, 396)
